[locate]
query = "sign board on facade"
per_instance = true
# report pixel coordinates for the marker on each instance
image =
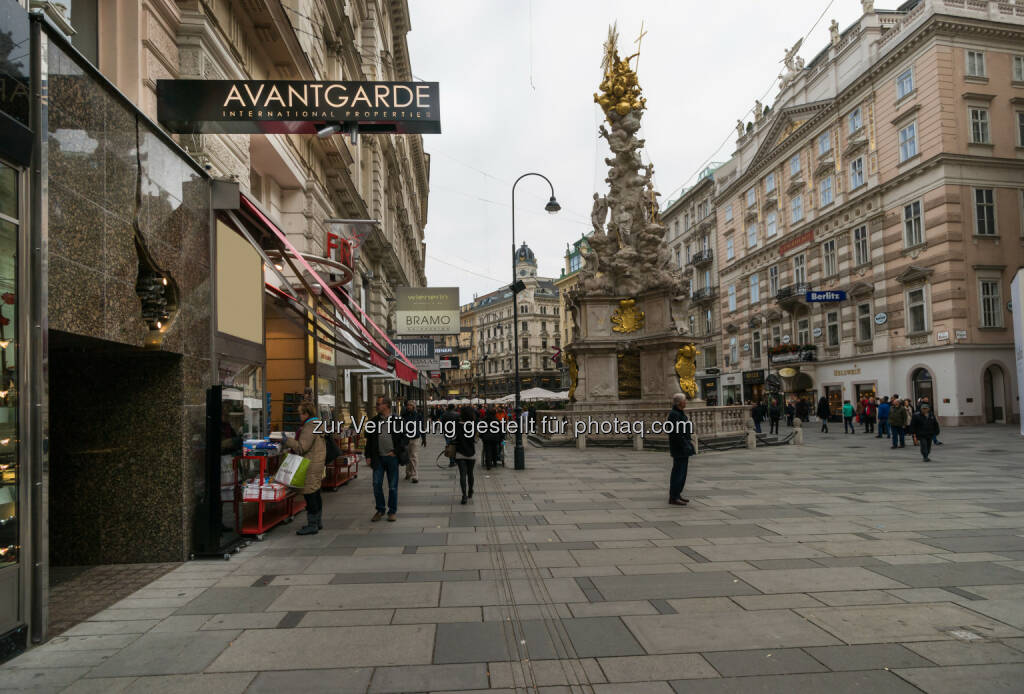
(753, 377)
(942, 335)
(788, 372)
(443, 350)
(816, 332)
(324, 353)
(846, 372)
(465, 365)
(800, 240)
(827, 296)
(416, 349)
(961, 334)
(291, 107)
(881, 318)
(427, 310)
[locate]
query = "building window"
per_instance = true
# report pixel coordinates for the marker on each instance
(524, 308)
(905, 83)
(1018, 68)
(730, 253)
(708, 324)
(825, 189)
(710, 357)
(913, 230)
(799, 269)
(734, 352)
(794, 165)
(824, 143)
(707, 279)
(917, 319)
(523, 326)
(769, 183)
(864, 322)
(544, 343)
(526, 362)
(979, 125)
(828, 255)
(985, 211)
(732, 297)
(543, 325)
(526, 343)
(991, 308)
(803, 331)
(773, 280)
(728, 212)
(832, 328)
(755, 289)
(860, 245)
(1020, 128)
(756, 347)
(908, 141)
(770, 224)
(679, 258)
(975, 64)
(751, 235)
(797, 205)
(855, 120)
(751, 197)
(776, 335)
(857, 173)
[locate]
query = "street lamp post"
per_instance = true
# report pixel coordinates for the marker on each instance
(517, 286)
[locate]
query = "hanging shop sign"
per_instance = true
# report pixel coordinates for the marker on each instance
(294, 106)
(444, 350)
(427, 310)
(788, 372)
(881, 318)
(816, 332)
(829, 296)
(420, 353)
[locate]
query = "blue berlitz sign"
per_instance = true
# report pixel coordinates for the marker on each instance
(826, 296)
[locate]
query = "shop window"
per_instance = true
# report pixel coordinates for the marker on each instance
(10, 540)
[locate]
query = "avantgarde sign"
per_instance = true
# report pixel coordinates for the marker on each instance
(292, 106)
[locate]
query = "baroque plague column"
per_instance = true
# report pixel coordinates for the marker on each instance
(627, 346)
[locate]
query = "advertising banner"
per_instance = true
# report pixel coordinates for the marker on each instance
(427, 311)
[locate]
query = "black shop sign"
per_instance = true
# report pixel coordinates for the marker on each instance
(753, 378)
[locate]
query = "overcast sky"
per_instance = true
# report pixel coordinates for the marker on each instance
(517, 80)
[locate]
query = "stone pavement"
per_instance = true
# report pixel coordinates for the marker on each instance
(838, 566)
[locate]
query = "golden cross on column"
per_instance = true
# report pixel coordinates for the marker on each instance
(638, 41)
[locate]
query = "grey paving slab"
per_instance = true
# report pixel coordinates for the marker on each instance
(711, 631)
(966, 652)
(759, 551)
(416, 678)
(596, 637)
(967, 679)
(166, 654)
(816, 580)
(680, 530)
(491, 641)
(951, 574)
(524, 675)
(296, 649)
(832, 682)
(222, 600)
(365, 577)
(781, 601)
(390, 540)
(876, 656)
(647, 587)
(356, 596)
(778, 661)
(677, 666)
(987, 543)
(903, 623)
(220, 683)
(322, 681)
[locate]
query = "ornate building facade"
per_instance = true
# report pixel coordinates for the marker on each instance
(890, 169)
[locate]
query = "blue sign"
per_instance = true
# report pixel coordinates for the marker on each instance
(825, 297)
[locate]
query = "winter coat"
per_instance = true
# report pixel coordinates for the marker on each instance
(847, 410)
(678, 438)
(398, 438)
(465, 440)
(922, 425)
(884, 410)
(823, 410)
(313, 447)
(802, 410)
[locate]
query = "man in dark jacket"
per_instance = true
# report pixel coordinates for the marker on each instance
(386, 444)
(757, 414)
(450, 415)
(680, 445)
(774, 415)
(803, 410)
(924, 425)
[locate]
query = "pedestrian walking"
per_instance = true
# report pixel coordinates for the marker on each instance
(884, 411)
(680, 445)
(925, 401)
(757, 414)
(803, 410)
(774, 415)
(417, 431)
(450, 415)
(385, 444)
(465, 450)
(926, 428)
(491, 438)
(899, 418)
(312, 447)
(823, 413)
(848, 413)
(790, 412)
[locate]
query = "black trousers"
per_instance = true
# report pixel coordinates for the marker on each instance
(824, 424)
(677, 479)
(926, 445)
(465, 473)
(774, 428)
(491, 453)
(314, 502)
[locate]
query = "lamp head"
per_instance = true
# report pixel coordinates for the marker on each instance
(552, 207)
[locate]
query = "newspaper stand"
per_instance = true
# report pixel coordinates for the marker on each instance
(258, 516)
(341, 471)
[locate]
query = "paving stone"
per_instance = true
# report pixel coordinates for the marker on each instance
(689, 633)
(385, 562)
(757, 552)
(365, 577)
(166, 654)
(390, 540)
(679, 530)
(221, 683)
(967, 679)
(244, 620)
(323, 681)
(596, 637)
(656, 667)
(649, 587)
(778, 661)
(612, 609)
(989, 543)
(815, 580)
(949, 574)
(290, 649)
(356, 596)
(137, 626)
(489, 641)
(437, 615)
(346, 618)
(831, 682)
(856, 597)
(414, 678)
(966, 652)
(545, 673)
(782, 601)
(632, 557)
(876, 656)
(903, 623)
(222, 600)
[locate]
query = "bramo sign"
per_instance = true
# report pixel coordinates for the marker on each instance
(427, 310)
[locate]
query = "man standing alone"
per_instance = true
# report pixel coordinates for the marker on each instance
(385, 444)
(680, 445)
(926, 428)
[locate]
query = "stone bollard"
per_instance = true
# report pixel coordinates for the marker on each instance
(798, 433)
(581, 442)
(638, 442)
(696, 443)
(751, 433)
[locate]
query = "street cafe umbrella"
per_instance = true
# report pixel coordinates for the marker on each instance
(537, 394)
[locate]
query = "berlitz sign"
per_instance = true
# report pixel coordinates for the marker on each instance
(827, 296)
(292, 106)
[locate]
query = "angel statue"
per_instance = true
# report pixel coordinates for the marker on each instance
(599, 212)
(789, 59)
(739, 129)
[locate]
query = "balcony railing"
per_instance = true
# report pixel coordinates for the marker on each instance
(793, 292)
(702, 258)
(704, 294)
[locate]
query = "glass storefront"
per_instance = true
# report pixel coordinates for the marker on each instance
(835, 401)
(709, 391)
(10, 473)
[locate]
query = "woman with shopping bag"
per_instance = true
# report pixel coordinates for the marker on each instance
(312, 447)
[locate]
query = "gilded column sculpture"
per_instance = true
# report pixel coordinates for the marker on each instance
(686, 370)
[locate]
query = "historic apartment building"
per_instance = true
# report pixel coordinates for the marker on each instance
(890, 168)
(690, 238)
(487, 325)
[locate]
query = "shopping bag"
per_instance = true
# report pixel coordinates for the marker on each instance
(292, 472)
